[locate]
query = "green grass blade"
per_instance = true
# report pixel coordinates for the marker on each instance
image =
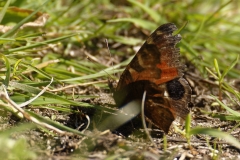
(211, 17)
(138, 22)
(216, 133)
(4, 9)
(39, 44)
(153, 14)
(226, 107)
(180, 29)
(189, 48)
(217, 69)
(229, 68)
(16, 66)
(8, 71)
(223, 117)
(96, 75)
(125, 40)
(34, 90)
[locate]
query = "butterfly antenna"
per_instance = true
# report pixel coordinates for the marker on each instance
(110, 82)
(110, 55)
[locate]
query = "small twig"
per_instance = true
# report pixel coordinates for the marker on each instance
(42, 65)
(88, 119)
(196, 77)
(183, 156)
(33, 99)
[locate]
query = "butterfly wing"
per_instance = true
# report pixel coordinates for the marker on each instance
(156, 69)
(161, 110)
(157, 60)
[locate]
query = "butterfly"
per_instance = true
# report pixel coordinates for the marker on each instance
(157, 70)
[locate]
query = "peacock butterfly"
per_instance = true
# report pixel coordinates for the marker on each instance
(157, 70)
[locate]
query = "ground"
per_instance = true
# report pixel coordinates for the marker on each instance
(105, 144)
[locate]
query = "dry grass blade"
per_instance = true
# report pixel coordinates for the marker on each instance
(144, 121)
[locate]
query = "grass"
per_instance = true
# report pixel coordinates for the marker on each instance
(71, 48)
